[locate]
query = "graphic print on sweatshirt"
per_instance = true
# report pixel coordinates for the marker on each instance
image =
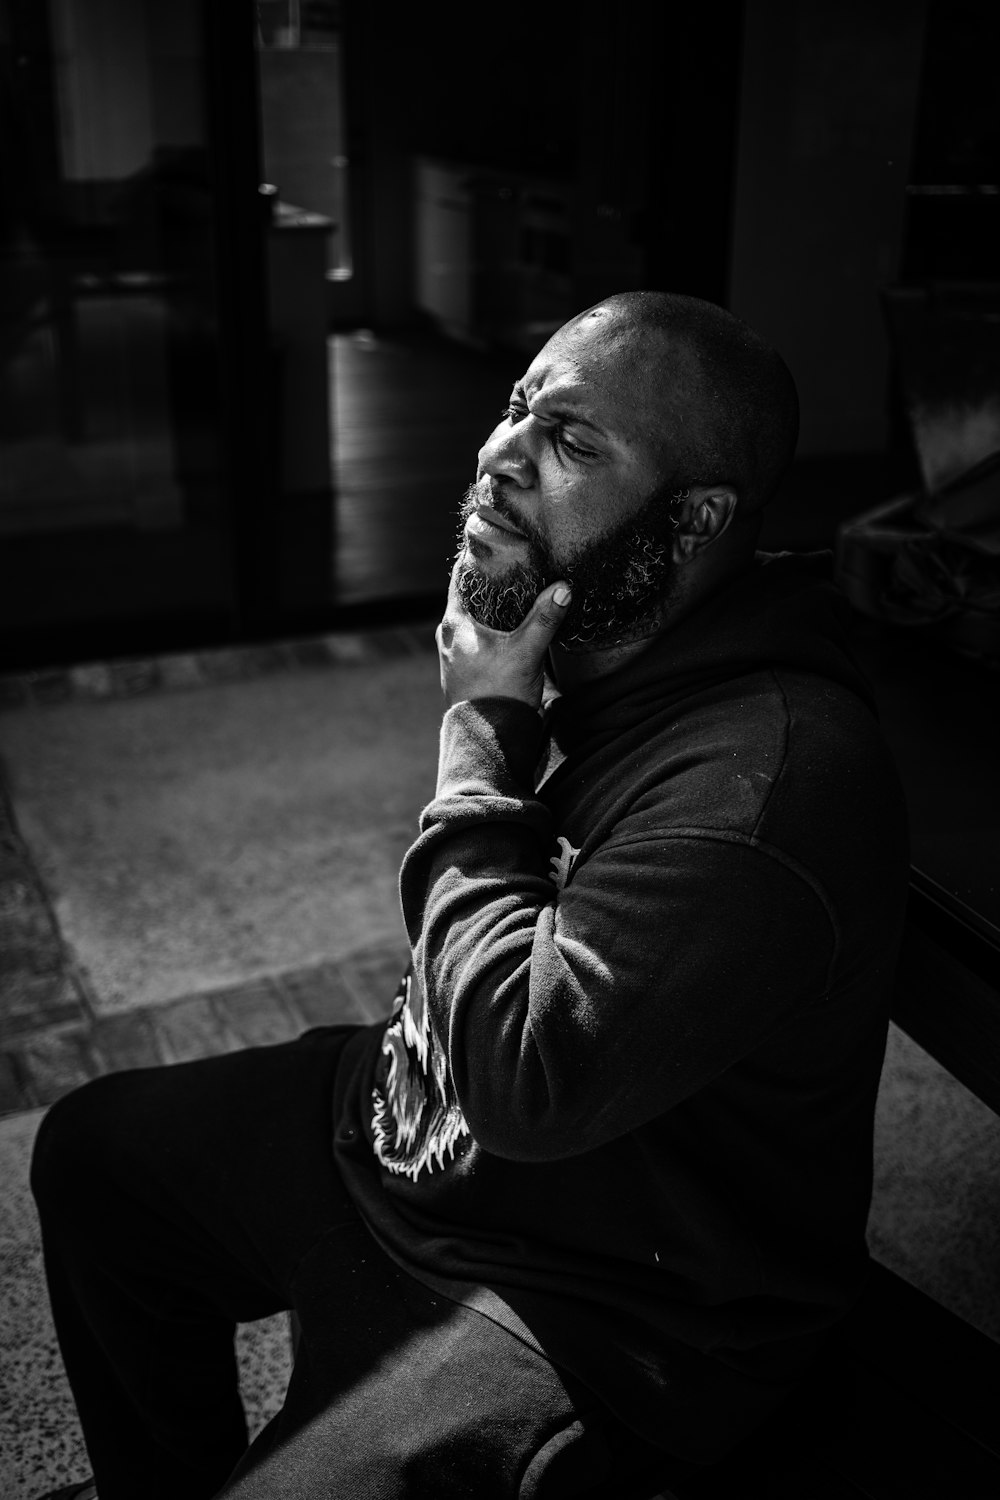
(562, 863)
(417, 1121)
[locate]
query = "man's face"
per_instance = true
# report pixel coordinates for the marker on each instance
(571, 485)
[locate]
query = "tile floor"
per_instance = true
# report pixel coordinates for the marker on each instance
(93, 863)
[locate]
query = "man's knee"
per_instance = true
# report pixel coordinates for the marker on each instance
(79, 1143)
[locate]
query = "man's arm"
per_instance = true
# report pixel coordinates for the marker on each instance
(572, 1017)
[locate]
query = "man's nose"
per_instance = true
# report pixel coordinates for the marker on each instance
(504, 455)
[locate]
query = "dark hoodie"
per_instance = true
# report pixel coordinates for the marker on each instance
(624, 1105)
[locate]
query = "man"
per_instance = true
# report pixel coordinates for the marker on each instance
(600, 1185)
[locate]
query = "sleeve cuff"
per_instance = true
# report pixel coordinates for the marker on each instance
(489, 746)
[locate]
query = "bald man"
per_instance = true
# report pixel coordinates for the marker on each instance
(599, 1187)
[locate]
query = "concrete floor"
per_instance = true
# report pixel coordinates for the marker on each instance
(213, 845)
(192, 839)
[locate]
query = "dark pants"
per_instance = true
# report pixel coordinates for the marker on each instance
(176, 1202)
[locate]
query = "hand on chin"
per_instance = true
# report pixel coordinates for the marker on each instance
(479, 660)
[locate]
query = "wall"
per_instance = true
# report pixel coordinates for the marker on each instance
(102, 86)
(556, 97)
(128, 78)
(177, 66)
(825, 137)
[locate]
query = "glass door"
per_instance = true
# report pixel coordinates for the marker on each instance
(140, 387)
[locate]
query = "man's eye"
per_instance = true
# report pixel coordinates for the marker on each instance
(516, 411)
(573, 449)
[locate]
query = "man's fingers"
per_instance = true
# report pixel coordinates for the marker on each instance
(478, 662)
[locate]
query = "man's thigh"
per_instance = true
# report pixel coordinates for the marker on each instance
(220, 1169)
(399, 1392)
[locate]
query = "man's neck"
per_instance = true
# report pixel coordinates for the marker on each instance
(570, 669)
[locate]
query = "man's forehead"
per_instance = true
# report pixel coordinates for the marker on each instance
(558, 383)
(615, 377)
(613, 345)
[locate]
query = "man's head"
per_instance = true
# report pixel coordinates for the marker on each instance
(633, 461)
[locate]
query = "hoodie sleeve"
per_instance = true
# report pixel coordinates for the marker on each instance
(571, 1017)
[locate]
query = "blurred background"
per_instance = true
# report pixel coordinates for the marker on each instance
(268, 270)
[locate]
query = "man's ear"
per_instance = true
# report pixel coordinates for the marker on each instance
(704, 516)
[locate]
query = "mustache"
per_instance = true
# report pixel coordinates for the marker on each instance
(488, 492)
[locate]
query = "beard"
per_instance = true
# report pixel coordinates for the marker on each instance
(622, 581)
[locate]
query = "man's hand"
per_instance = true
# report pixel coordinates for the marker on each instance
(477, 662)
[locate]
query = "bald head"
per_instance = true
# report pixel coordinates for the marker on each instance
(725, 398)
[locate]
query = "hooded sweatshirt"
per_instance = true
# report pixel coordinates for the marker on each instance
(624, 1103)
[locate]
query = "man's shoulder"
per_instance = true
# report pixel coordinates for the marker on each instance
(771, 744)
(769, 710)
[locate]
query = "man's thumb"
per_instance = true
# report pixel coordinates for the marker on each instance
(550, 609)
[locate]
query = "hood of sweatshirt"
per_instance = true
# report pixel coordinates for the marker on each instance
(783, 613)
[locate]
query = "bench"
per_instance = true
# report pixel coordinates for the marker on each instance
(904, 1408)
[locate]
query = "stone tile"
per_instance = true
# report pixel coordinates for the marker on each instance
(54, 685)
(311, 653)
(126, 1040)
(28, 935)
(95, 680)
(55, 1063)
(373, 976)
(419, 639)
(264, 1361)
(181, 670)
(18, 887)
(188, 1029)
(256, 1014)
(347, 650)
(10, 844)
(132, 676)
(322, 997)
(31, 1002)
(223, 665)
(13, 865)
(201, 837)
(14, 1096)
(13, 692)
(401, 640)
(273, 657)
(427, 639)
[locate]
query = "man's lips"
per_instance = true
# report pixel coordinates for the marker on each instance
(496, 520)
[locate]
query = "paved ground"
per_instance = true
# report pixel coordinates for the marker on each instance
(198, 853)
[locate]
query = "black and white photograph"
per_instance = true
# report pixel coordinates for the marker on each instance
(499, 746)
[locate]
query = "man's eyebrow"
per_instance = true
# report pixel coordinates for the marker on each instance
(561, 414)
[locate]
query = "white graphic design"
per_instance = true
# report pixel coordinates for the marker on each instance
(562, 863)
(417, 1121)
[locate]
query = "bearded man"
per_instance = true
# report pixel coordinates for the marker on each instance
(599, 1187)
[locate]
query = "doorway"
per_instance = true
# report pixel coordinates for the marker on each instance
(112, 454)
